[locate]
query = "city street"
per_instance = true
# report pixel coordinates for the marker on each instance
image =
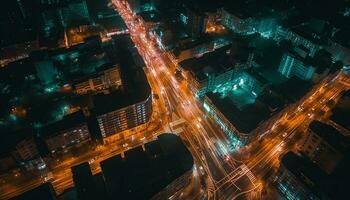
(220, 172)
(202, 133)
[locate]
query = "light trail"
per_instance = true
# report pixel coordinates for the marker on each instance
(178, 99)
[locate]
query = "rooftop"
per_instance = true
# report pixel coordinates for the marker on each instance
(313, 30)
(9, 140)
(67, 122)
(331, 135)
(189, 44)
(210, 63)
(144, 173)
(245, 118)
(88, 186)
(97, 73)
(306, 172)
(135, 84)
(316, 179)
(341, 113)
(292, 89)
(44, 191)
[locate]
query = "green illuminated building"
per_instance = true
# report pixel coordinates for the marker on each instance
(236, 108)
(215, 70)
(292, 65)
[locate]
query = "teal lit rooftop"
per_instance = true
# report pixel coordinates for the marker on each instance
(240, 94)
(239, 101)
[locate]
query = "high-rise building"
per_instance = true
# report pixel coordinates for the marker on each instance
(71, 131)
(27, 149)
(21, 146)
(324, 145)
(208, 71)
(297, 39)
(239, 24)
(291, 65)
(299, 178)
(194, 21)
(84, 183)
(44, 191)
(108, 78)
(116, 112)
(158, 171)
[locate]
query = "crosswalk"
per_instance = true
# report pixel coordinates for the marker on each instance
(235, 175)
(211, 189)
(248, 173)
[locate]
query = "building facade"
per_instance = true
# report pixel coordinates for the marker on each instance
(289, 185)
(324, 145)
(292, 66)
(109, 78)
(200, 85)
(175, 186)
(71, 131)
(299, 178)
(22, 150)
(237, 138)
(27, 149)
(116, 121)
(283, 33)
(235, 23)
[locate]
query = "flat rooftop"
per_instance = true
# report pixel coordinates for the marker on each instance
(65, 123)
(144, 173)
(330, 134)
(212, 62)
(306, 172)
(341, 113)
(135, 84)
(9, 139)
(44, 191)
(293, 89)
(189, 44)
(138, 90)
(244, 117)
(88, 186)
